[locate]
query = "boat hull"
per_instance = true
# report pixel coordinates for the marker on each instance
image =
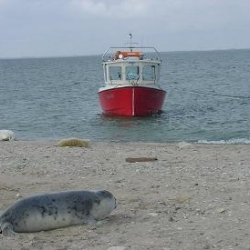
(132, 100)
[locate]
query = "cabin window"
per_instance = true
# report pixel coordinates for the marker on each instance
(115, 73)
(148, 73)
(132, 73)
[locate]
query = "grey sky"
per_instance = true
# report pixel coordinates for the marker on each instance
(34, 28)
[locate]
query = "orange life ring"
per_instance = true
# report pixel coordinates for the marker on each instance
(124, 54)
(131, 53)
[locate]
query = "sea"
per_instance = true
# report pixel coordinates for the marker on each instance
(208, 100)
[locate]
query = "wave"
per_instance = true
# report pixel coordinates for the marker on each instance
(230, 141)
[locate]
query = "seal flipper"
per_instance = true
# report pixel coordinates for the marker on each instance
(89, 221)
(7, 230)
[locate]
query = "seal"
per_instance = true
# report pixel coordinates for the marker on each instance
(6, 135)
(73, 142)
(55, 210)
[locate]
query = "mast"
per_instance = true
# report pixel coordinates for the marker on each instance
(130, 41)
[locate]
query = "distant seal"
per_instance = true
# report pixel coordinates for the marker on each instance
(55, 210)
(6, 135)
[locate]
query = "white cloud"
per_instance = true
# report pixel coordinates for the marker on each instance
(2, 2)
(115, 8)
(168, 14)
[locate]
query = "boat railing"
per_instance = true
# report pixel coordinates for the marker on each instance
(109, 54)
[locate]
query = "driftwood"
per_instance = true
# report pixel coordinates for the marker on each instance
(140, 159)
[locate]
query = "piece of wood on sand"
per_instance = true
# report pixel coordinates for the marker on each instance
(140, 159)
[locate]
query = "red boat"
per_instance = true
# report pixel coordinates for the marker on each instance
(131, 82)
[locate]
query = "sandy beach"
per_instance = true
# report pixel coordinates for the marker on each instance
(194, 196)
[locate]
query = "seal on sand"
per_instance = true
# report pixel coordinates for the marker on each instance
(73, 142)
(6, 135)
(55, 210)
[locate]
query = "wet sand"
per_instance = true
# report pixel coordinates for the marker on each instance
(193, 196)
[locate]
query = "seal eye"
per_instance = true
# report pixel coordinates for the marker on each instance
(97, 200)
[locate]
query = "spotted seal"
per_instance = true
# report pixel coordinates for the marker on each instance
(55, 210)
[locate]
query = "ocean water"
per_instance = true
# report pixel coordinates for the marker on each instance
(208, 99)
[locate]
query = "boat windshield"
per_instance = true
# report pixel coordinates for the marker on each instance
(148, 73)
(132, 73)
(142, 72)
(115, 72)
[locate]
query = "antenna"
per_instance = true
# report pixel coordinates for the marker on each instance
(130, 38)
(131, 43)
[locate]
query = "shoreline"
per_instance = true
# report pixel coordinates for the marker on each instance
(194, 196)
(231, 141)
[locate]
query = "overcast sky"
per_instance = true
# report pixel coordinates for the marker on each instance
(41, 28)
